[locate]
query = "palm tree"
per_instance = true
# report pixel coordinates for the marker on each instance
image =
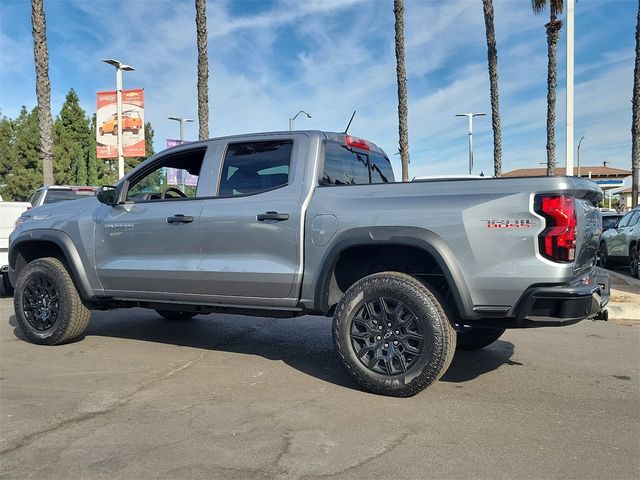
(43, 88)
(635, 125)
(492, 57)
(403, 109)
(553, 35)
(203, 69)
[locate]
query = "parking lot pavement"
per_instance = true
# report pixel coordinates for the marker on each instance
(243, 397)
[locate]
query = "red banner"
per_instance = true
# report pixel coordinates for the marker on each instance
(132, 124)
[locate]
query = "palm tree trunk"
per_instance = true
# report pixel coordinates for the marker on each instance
(635, 125)
(43, 88)
(553, 35)
(203, 69)
(492, 57)
(403, 109)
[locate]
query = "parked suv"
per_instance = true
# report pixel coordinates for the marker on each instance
(618, 244)
(293, 223)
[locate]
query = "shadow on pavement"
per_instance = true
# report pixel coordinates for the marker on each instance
(303, 343)
(469, 365)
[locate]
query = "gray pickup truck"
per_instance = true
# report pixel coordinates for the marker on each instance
(292, 223)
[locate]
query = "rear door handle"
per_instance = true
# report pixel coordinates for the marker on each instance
(179, 218)
(272, 216)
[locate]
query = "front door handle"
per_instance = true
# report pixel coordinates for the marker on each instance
(272, 216)
(179, 218)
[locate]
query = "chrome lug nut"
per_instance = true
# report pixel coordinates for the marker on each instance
(378, 337)
(395, 342)
(379, 327)
(397, 332)
(386, 345)
(388, 324)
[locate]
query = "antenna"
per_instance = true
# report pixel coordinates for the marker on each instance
(347, 129)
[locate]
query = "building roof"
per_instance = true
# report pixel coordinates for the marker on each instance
(584, 172)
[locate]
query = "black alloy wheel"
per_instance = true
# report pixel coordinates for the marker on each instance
(386, 336)
(40, 303)
(633, 261)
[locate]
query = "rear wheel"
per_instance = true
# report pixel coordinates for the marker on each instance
(603, 256)
(174, 315)
(476, 338)
(392, 334)
(633, 261)
(49, 310)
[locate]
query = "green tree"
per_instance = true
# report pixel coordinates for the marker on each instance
(25, 173)
(553, 35)
(72, 140)
(6, 147)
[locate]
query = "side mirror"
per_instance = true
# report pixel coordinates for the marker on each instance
(107, 194)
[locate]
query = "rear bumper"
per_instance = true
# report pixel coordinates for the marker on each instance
(585, 297)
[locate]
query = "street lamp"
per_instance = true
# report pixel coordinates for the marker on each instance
(470, 116)
(182, 121)
(119, 68)
(578, 159)
(291, 120)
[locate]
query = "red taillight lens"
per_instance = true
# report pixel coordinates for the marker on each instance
(558, 240)
(356, 142)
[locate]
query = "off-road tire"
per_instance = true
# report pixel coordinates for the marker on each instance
(476, 338)
(101, 131)
(427, 313)
(6, 284)
(72, 315)
(175, 316)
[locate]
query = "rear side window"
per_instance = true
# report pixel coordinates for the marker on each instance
(254, 167)
(348, 166)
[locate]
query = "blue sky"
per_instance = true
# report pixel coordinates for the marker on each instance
(269, 59)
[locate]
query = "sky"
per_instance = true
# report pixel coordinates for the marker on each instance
(270, 59)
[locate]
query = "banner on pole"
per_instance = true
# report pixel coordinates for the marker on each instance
(132, 124)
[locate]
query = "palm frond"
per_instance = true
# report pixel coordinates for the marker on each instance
(538, 6)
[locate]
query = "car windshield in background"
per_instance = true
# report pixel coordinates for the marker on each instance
(54, 196)
(347, 166)
(610, 221)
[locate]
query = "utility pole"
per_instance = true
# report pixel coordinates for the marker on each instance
(470, 116)
(119, 68)
(569, 142)
(182, 121)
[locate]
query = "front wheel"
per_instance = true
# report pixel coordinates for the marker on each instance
(476, 338)
(633, 261)
(49, 310)
(392, 334)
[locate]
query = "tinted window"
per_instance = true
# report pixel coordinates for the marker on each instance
(347, 166)
(254, 167)
(54, 196)
(609, 221)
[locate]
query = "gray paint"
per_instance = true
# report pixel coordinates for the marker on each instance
(228, 257)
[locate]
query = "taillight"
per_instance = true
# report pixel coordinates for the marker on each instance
(558, 240)
(357, 143)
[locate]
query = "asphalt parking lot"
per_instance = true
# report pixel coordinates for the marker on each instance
(242, 397)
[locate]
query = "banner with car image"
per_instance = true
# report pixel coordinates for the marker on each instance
(132, 124)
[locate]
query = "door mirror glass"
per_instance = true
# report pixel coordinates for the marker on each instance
(107, 194)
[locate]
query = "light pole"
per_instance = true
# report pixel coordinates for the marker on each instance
(470, 116)
(569, 127)
(292, 119)
(119, 68)
(182, 121)
(578, 159)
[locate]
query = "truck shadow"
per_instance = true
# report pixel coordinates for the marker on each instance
(303, 343)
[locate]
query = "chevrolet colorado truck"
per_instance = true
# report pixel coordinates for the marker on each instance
(310, 222)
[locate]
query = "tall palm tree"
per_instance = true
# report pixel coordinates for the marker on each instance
(43, 88)
(203, 69)
(553, 35)
(401, 73)
(492, 57)
(635, 125)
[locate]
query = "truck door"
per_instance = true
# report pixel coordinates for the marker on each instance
(250, 232)
(149, 243)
